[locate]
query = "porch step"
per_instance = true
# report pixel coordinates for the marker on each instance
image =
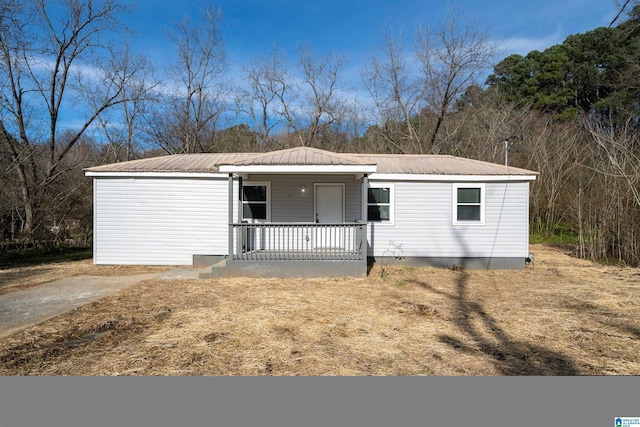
(216, 270)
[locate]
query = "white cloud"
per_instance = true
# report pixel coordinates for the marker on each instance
(524, 45)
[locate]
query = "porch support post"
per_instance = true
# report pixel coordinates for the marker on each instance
(365, 193)
(363, 236)
(230, 254)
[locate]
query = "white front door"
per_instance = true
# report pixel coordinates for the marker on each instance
(329, 209)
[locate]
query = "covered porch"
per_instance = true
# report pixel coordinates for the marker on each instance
(297, 213)
(298, 242)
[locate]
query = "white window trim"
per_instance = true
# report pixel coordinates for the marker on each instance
(256, 183)
(454, 204)
(391, 188)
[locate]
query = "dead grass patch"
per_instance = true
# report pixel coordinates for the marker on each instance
(565, 317)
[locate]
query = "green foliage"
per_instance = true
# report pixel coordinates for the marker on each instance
(562, 235)
(596, 73)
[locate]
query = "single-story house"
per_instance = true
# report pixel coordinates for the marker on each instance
(304, 211)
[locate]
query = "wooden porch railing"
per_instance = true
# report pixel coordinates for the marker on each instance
(298, 242)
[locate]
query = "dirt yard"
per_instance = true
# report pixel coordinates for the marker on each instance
(563, 317)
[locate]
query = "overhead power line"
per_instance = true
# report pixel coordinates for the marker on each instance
(619, 13)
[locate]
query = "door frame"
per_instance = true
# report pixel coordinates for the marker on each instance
(328, 184)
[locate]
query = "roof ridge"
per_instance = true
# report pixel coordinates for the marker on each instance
(274, 154)
(401, 155)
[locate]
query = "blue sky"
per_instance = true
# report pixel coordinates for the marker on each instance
(354, 27)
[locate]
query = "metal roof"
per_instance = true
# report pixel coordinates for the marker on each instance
(432, 164)
(201, 162)
(303, 156)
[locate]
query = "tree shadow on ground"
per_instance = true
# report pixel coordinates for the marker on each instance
(11, 280)
(40, 256)
(509, 356)
(601, 314)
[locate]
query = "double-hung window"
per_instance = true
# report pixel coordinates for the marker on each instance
(256, 201)
(380, 203)
(468, 204)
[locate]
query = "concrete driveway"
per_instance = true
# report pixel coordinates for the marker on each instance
(20, 309)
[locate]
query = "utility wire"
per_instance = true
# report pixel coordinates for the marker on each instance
(619, 13)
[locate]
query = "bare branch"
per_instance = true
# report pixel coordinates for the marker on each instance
(453, 57)
(197, 102)
(38, 56)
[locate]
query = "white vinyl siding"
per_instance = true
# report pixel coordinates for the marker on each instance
(159, 221)
(165, 221)
(290, 204)
(423, 227)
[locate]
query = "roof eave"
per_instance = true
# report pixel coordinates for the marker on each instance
(306, 169)
(449, 177)
(152, 174)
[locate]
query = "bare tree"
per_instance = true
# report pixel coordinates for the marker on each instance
(453, 58)
(609, 225)
(289, 106)
(321, 107)
(620, 150)
(396, 93)
(188, 120)
(266, 87)
(122, 126)
(480, 125)
(41, 53)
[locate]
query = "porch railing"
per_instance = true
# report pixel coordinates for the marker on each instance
(298, 242)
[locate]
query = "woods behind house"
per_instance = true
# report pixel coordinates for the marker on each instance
(570, 112)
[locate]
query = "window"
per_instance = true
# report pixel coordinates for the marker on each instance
(468, 204)
(255, 200)
(379, 203)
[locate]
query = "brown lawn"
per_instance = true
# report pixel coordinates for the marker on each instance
(563, 317)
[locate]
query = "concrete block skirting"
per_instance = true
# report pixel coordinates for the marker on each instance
(486, 263)
(287, 269)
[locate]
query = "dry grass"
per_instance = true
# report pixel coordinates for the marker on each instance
(14, 279)
(565, 317)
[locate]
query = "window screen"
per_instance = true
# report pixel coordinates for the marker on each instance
(254, 202)
(379, 204)
(469, 204)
